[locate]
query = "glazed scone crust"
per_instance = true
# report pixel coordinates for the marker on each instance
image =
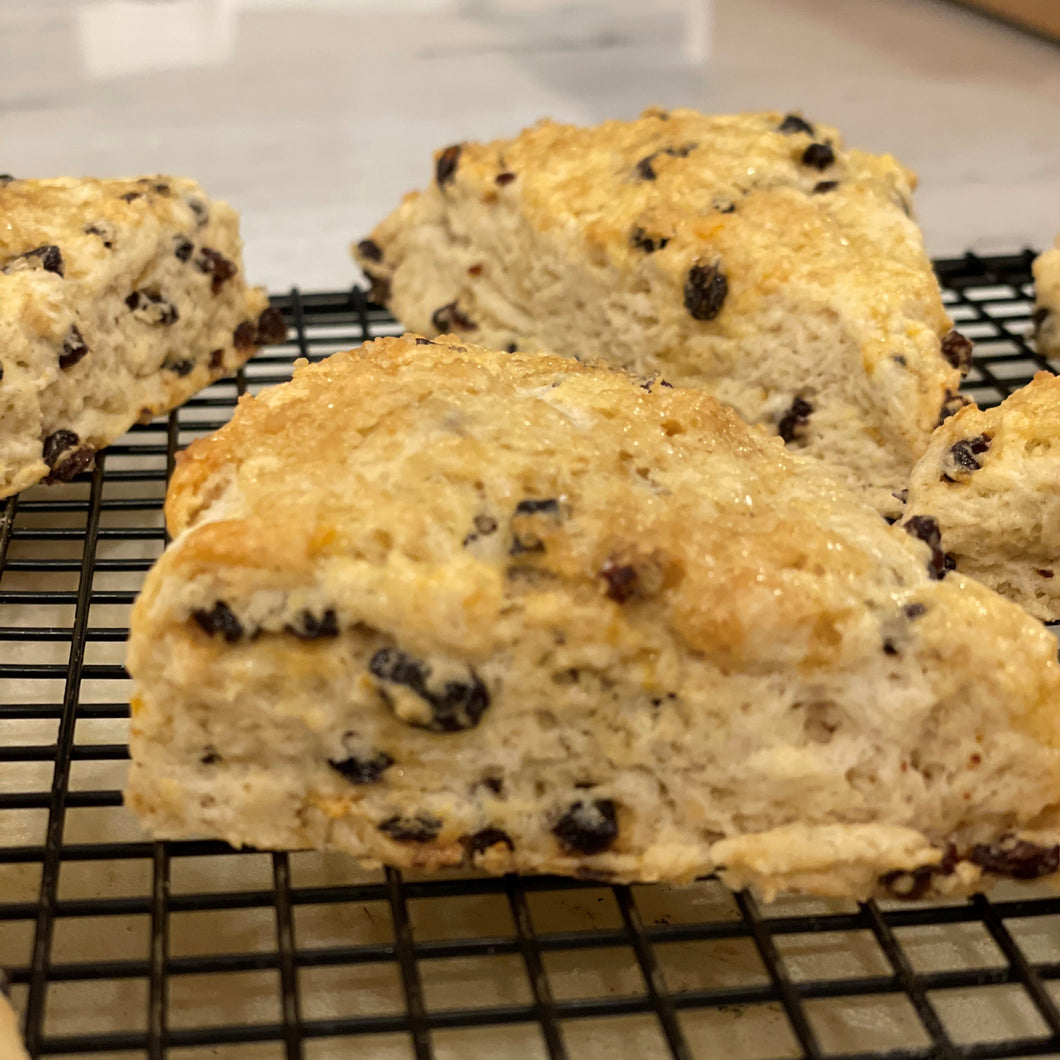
(556, 240)
(119, 299)
(651, 642)
(1046, 269)
(991, 480)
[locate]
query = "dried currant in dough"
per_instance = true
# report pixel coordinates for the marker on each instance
(149, 307)
(587, 827)
(926, 528)
(217, 267)
(792, 123)
(184, 249)
(65, 456)
(640, 240)
(795, 419)
(445, 168)
(450, 317)
(819, 156)
(454, 707)
(951, 403)
(957, 349)
(313, 627)
(706, 288)
(370, 249)
(1017, 858)
(271, 328)
(48, 258)
(962, 456)
(74, 348)
(363, 770)
(220, 620)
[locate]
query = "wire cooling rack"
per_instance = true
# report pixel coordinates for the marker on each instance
(119, 946)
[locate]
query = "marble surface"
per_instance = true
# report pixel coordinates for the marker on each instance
(314, 116)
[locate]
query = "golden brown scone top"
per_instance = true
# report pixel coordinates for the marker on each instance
(777, 199)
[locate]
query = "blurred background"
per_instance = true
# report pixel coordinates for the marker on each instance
(314, 116)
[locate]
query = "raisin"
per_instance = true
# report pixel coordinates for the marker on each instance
(151, 308)
(794, 124)
(179, 368)
(503, 179)
(73, 350)
(964, 453)
(623, 582)
(48, 257)
(199, 209)
(132, 196)
(951, 403)
(363, 770)
(184, 249)
(458, 706)
(531, 506)
(819, 156)
(217, 359)
(794, 420)
(160, 188)
(587, 827)
(911, 885)
(103, 230)
(644, 169)
(640, 240)
(220, 619)
(511, 347)
(210, 757)
(421, 828)
(370, 250)
(66, 456)
(1043, 572)
(244, 335)
(705, 291)
(310, 627)
(450, 318)
(926, 528)
(824, 186)
(217, 267)
(445, 167)
(423, 342)
(481, 841)
(912, 611)
(957, 349)
(272, 328)
(724, 205)
(494, 784)
(1016, 858)
(889, 648)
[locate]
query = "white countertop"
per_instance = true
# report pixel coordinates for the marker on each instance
(314, 116)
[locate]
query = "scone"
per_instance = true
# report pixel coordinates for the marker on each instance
(118, 300)
(753, 256)
(990, 480)
(11, 1047)
(435, 605)
(1046, 270)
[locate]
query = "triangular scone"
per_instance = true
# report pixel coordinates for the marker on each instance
(1046, 269)
(750, 255)
(119, 299)
(988, 492)
(432, 605)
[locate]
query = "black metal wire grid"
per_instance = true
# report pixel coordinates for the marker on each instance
(118, 946)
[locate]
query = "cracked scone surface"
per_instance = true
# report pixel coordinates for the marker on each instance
(119, 299)
(990, 482)
(1046, 269)
(751, 255)
(432, 604)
